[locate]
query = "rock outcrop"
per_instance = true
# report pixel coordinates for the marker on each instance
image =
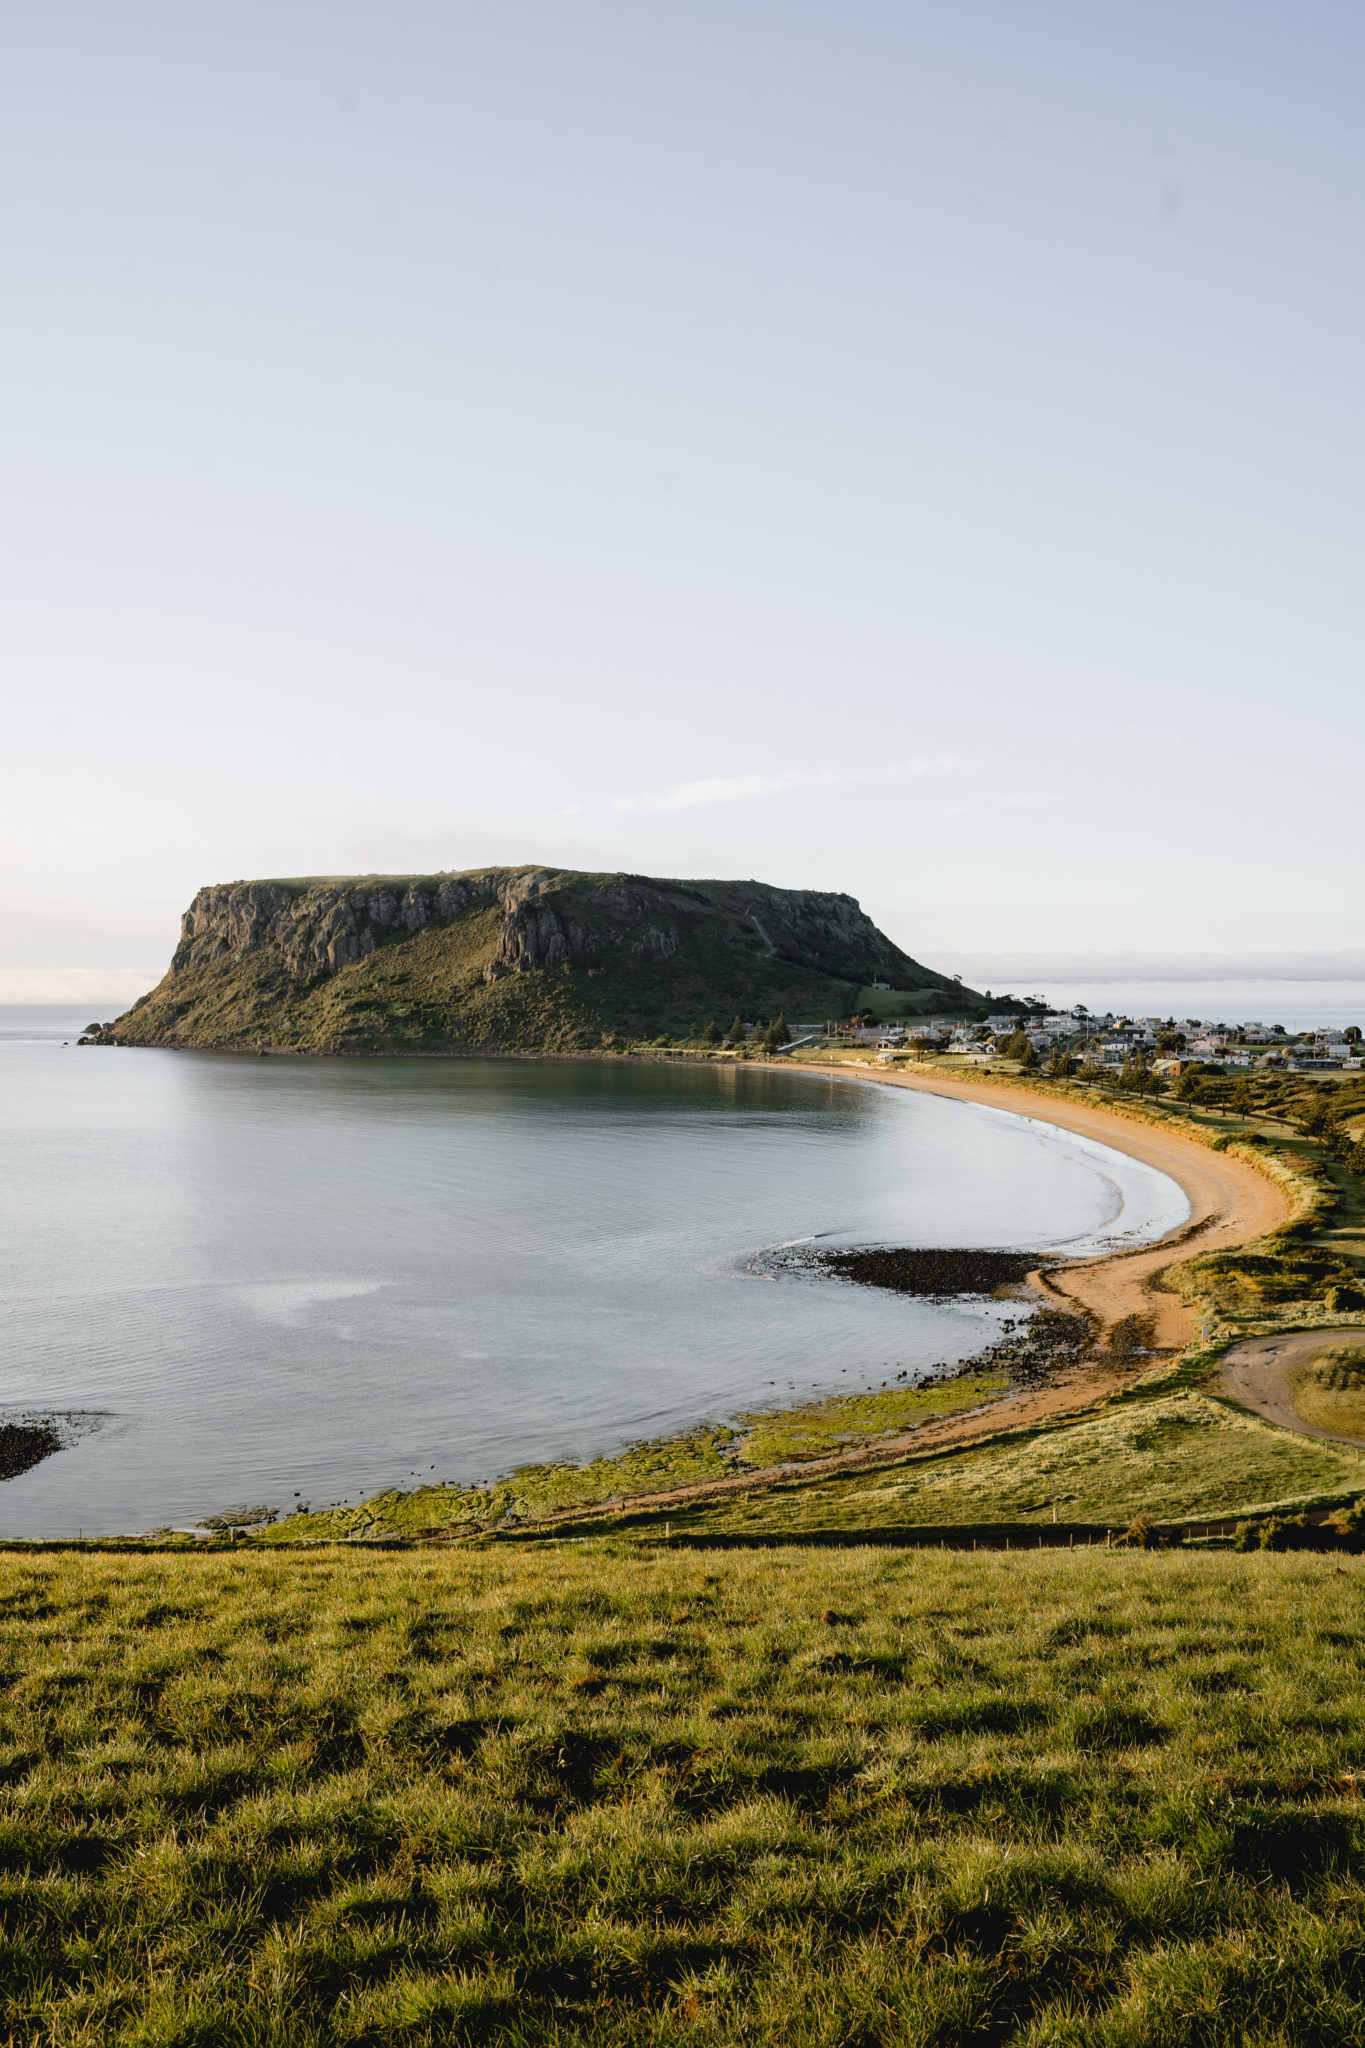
(253, 957)
(550, 916)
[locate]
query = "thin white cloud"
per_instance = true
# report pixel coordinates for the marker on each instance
(728, 789)
(720, 789)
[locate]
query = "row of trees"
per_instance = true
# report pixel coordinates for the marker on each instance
(1322, 1120)
(763, 1037)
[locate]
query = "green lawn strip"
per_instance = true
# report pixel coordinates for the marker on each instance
(820, 1428)
(531, 1490)
(1174, 1456)
(812, 1431)
(608, 1797)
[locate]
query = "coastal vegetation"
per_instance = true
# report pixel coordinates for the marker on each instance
(1178, 1456)
(601, 1795)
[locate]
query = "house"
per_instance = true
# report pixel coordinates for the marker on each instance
(1115, 1052)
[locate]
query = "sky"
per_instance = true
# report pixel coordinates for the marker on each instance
(897, 448)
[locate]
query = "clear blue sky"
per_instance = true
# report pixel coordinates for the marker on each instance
(894, 447)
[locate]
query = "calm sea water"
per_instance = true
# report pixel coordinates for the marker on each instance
(1298, 1005)
(249, 1278)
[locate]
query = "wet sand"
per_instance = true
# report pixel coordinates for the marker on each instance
(1230, 1202)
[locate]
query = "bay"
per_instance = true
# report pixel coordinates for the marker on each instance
(246, 1280)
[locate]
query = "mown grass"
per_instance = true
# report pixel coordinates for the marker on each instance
(1329, 1390)
(817, 1428)
(611, 1796)
(693, 1458)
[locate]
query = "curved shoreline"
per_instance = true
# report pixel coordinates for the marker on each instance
(1230, 1200)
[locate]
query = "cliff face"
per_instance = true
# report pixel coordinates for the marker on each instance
(348, 961)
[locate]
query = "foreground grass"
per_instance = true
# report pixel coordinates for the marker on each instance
(607, 1796)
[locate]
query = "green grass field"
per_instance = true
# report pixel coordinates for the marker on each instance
(610, 1795)
(1176, 1457)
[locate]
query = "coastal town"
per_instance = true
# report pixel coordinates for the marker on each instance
(1072, 1040)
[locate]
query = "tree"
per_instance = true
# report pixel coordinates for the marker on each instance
(1061, 1066)
(736, 1036)
(1352, 1034)
(711, 1035)
(1241, 1098)
(1321, 1117)
(1028, 1058)
(778, 1033)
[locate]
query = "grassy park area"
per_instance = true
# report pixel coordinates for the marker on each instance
(604, 1794)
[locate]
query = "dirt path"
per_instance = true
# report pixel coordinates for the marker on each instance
(1229, 1200)
(1075, 1387)
(1229, 1203)
(1256, 1375)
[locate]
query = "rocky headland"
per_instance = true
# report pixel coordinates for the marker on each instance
(524, 959)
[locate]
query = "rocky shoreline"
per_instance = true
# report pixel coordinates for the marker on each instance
(25, 1444)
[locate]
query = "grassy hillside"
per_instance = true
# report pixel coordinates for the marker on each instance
(608, 1797)
(521, 959)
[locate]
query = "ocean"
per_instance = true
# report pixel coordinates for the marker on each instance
(249, 1280)
(1298, 1005)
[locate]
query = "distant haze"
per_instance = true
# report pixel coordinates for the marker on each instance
(897, 448)
(994, 970)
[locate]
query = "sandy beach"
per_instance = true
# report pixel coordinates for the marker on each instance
(1230, 1201)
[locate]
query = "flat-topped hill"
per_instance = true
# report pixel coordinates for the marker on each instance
(526, 958)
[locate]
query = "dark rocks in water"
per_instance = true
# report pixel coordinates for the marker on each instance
(24, 1445)
(931, 1270)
